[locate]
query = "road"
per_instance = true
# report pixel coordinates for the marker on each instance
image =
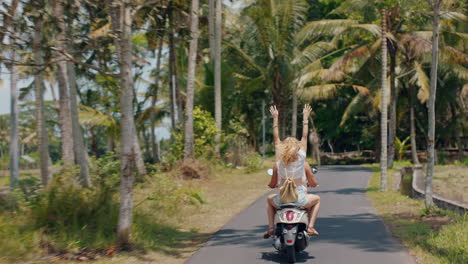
(350, 230)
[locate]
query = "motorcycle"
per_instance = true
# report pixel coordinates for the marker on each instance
(290, 235)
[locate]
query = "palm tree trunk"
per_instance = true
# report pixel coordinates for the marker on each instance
(217, 73)
(14, 118)
(64, 101)
(127, 126)
(154, 151)
(78, 140)
(383, 103)
(173, 82)
(294, 113)
(393, 110)
(7, 21)
(431, 103)
(140, 163)
(211, 27)
(41, 129)
(414, 149)
(188, 146)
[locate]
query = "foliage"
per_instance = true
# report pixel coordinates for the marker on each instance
(167, 195)
(252, 162)
(401, 146)
(74, 217)
(204, 130)
(18, 242)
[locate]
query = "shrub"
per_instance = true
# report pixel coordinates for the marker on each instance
(204, 132)
(168, 195)
(75, 217)
(252, 162)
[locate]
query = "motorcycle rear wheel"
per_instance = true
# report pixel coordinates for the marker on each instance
(291, 254)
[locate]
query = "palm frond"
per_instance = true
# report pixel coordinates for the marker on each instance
(159, 113)
(349, 63)
(89, 116)
(414, 45)
(356, 106)
(320, 28)
(453, 16)
(313, 52)
(452, 55)
(310, 76)
(327, 91)
(317, 92)
(374, 29)
(250, 61)
(460, 71)
(422, 81)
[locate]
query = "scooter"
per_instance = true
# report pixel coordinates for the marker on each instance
(290, 235)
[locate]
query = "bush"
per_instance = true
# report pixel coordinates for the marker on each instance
(252, 162)
(75, 217)
(204, 132)
(167, 195)
(16, 242)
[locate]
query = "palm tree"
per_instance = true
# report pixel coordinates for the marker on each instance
(128, 130)
(217, 72)
(14, 118)
(68, 155)
(383, 119)
(188, 146)
(78, 139)
(41, 129)
(435, 5)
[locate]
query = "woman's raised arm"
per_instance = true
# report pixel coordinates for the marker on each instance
(305, 126)
(274, 114)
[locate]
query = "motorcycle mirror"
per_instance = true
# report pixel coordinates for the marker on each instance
(270, 172)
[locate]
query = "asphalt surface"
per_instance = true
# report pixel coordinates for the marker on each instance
(350, 231)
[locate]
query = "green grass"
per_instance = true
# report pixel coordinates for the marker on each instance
(17, 242)
(432, 236)
(172, 217)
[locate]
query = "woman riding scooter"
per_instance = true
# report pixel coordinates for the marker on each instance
(290, 162)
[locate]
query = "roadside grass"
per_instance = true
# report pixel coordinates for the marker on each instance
(162, 232)
(451, 181)
(4, 181)
(431, 236)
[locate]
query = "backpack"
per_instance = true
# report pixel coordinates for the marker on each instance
(288, 192)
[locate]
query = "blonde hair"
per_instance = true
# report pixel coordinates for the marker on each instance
(288, 149)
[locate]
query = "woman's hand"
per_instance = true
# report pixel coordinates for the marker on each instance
(306, 112)
(274, 111)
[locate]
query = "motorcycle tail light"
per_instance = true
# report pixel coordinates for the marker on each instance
(289, 215)
(289, 226)
(289, 241)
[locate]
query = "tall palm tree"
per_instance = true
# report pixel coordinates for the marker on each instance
(41, 128)
(66, 126)
(188, 146)
(217, 72)
(383, 119)
(435, 5)
(78, 139)
(14, 117)
(128, 129)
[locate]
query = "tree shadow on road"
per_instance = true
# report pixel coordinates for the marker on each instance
(364, 231)
(344, 191)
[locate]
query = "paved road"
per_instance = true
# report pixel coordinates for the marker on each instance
(350, 231)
